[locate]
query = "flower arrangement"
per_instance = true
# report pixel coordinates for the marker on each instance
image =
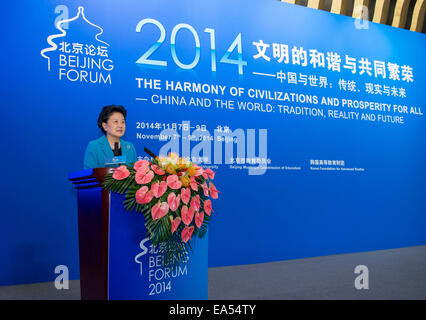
(173, 194)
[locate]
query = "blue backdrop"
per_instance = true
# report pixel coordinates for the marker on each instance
(338, 103)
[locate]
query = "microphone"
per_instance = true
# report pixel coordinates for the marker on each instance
(116, 151)
(152, 154)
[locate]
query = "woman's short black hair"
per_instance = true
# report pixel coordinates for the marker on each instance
(107, 111)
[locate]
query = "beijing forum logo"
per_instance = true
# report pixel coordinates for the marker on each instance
(77, 54)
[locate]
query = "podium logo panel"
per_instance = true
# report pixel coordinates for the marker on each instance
(137, 269)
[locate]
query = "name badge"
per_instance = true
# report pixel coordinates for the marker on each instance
(115, 160)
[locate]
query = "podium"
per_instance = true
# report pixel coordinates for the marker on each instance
(117, 260)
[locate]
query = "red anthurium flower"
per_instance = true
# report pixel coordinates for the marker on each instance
(173, 182)
(141, 165)
(199, 217)
(193, 184)
(175, 223)
(158, 188)
(208, 174)
(195, 202)
(187, 214)
(157, 170)
(185, 195)
(143, 195)
(205, 189)
(120, 173)
(159, 210)
(213, 191)
(208, 206)
(187, 233)
(143, 177)
(173, 201)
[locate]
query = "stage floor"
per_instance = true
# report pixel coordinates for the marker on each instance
(393, 274)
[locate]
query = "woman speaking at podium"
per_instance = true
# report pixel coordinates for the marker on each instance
(110, 150)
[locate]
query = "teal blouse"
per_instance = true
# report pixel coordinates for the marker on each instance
(99, 151)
